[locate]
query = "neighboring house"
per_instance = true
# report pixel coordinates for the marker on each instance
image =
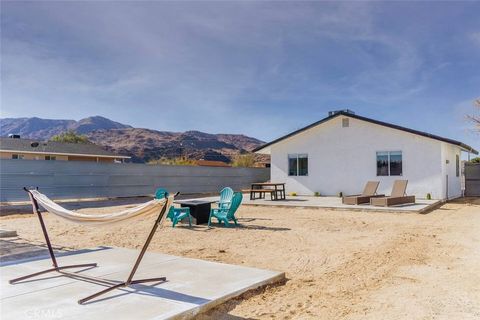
(262, 164)
(211, 163)
(341, 152)
(16, 148)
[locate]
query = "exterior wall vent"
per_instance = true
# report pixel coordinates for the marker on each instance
(345, 122)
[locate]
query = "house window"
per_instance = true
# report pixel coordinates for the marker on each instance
(17, 156)
(298, 165)
(292, 165)
(50, 158)
(457, 165)
(389, 163)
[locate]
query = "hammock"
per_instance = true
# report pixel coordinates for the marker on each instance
(159, 206)
(146, 208)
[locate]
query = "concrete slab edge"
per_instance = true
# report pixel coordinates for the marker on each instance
(188, 314)
(427, 208)
(432, 207)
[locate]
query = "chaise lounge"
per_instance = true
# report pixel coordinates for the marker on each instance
(369, 192)
(398, 196)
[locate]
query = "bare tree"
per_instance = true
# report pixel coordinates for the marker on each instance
(475, 118)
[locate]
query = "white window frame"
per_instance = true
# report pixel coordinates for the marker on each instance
(388, 163)
(296, 156)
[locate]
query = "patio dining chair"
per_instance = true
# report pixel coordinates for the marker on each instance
(174, 214)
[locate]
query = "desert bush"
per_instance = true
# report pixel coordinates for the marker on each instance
(244, 160)
(70, 137)
(475, 160)
(179, 161)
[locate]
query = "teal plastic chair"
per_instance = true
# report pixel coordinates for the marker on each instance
(227, 214)
(174, 214)
(225, 198)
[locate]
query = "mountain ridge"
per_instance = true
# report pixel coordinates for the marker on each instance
(142, 144)
(39, 128)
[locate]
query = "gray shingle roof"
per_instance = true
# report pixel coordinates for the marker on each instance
(27, 145)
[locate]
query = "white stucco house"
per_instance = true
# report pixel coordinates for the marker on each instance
(342, 151)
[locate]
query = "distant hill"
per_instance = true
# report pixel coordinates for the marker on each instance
(146, 144)
(142, 145)
(37, 128)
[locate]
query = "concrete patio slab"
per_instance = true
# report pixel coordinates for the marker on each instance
(335, 203)
(193, 286)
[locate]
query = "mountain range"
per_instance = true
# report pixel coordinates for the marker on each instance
(141, 144)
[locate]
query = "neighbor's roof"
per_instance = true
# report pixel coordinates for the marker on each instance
(385, 124)
(56, 148)
(212, 163)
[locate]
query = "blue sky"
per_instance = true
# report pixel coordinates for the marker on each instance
(258, 68)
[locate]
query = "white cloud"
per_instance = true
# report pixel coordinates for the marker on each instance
(475, 37)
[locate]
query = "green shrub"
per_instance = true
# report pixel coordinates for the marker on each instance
(293, 194)
(244, 160)
(179, 161)
(70, 137)
(429, 196)
(316, 194)
(475, 160)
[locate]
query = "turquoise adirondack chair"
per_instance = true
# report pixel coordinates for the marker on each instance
(227, 214)
(174, 214)
(225, 198)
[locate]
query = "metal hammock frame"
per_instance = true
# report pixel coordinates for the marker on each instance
(111, 285)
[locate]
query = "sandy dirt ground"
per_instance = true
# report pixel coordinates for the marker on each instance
(339, 264)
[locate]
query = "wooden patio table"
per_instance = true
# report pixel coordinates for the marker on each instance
(276, 190)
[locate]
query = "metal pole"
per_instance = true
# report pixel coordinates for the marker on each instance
(147, 243)
(44, 229)
(137, 263)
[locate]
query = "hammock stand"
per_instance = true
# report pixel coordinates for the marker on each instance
(112, 285)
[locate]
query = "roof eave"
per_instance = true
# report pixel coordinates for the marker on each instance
(465, 147)
(262, 150)
(67, 154)
(294, 133)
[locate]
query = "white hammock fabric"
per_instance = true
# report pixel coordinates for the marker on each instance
(150, 207)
